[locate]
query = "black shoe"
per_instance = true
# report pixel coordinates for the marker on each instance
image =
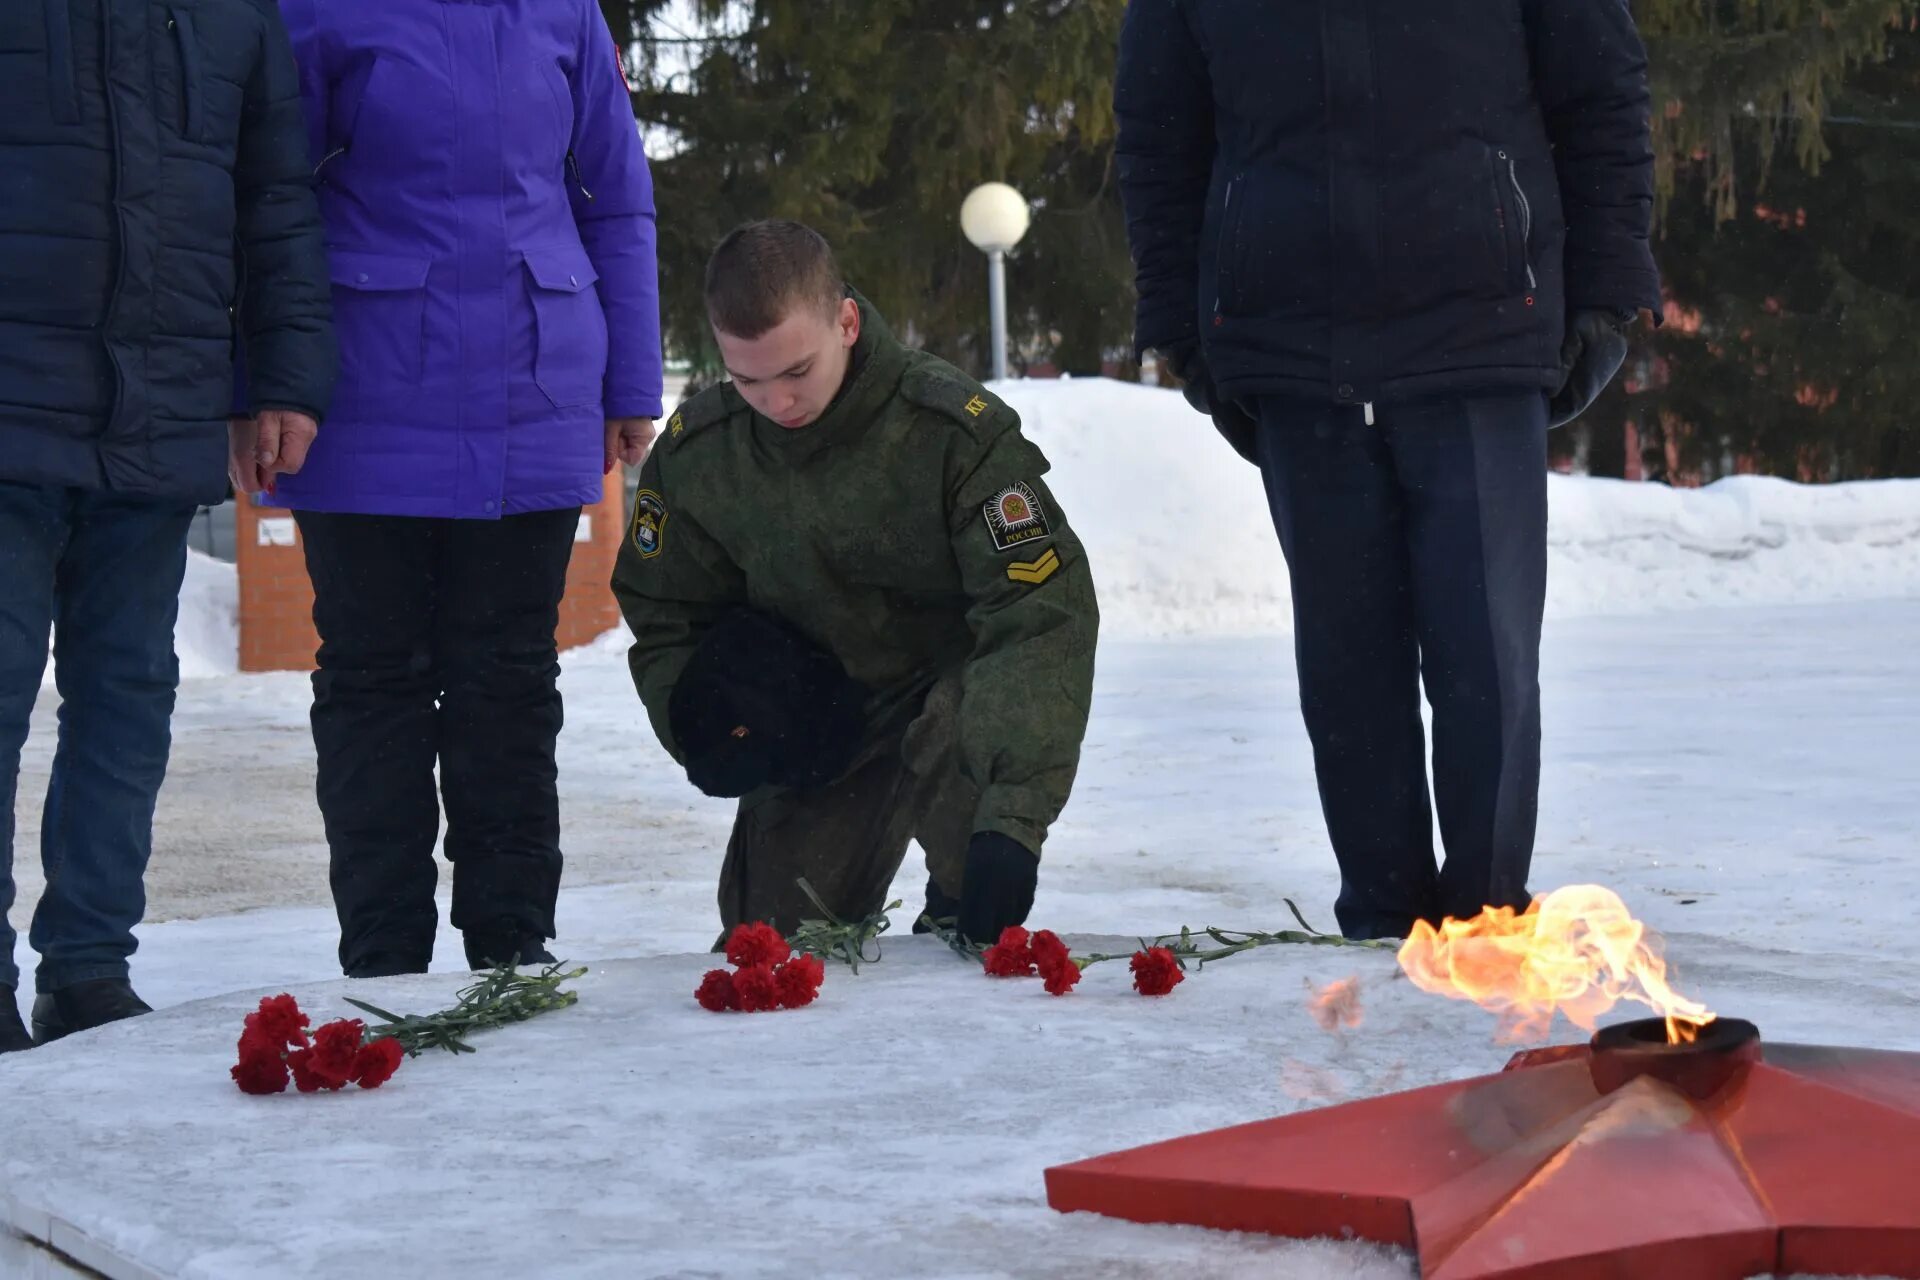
(13, 1032)
(939, 907)
(384, 964)
(84, 1006)
(492, 948)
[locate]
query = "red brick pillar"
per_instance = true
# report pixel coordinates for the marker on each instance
(588, 609)
(276, 599)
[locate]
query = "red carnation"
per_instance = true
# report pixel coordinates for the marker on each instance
(716, 991)
(336, 1046)
(1048, 950)
(377, 1061)
(800, 980)
(1062, 978)
(256, 1042)
(1011, 957)
(1156, 972)
(260, 1073)
(1055, 962)
(280, 1020)
(809, 965)
(305, 1078)
(796, 987)
(756, 944)
(757, 988)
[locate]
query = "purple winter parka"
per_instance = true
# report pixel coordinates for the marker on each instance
(490, 228)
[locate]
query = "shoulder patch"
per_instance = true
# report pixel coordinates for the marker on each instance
(934, 384)
(649, 531)
(1015, 517)
(715, 404)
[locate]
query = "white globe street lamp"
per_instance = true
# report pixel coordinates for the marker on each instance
(994, 216)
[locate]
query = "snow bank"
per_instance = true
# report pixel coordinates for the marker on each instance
(206, 636)
(1181, 544)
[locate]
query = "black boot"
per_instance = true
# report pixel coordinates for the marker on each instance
(13, 1032)
(83, 1006)
(386, 964)
(504, 944)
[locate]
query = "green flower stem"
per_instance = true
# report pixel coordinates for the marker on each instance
(1187, 944)
(502, 996)
(835, 939)
(948, 931)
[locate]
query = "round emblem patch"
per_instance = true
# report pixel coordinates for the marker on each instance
(1014, 517)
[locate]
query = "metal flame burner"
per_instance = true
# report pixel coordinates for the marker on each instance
(1719, 1057)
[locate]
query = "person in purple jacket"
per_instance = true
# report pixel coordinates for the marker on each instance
(490, 224)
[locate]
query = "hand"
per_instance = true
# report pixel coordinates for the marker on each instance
(243, 456)
(1239, 427)
(628, 440)
(998, 888)
(1590, 355)
(285, 437)
(760, 703)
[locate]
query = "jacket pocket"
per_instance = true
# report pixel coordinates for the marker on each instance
(570, 330)
(1516, 221)
(1230, 283)
(63, 81)
(192, 93)
(380, 308)
(1272, 249)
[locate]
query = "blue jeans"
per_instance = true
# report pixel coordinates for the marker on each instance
(102, 572)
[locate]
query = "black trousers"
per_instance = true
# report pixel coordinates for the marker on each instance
(1417, 549)
(437, 648)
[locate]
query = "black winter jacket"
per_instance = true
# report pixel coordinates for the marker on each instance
(1364, 200)
(154, 179)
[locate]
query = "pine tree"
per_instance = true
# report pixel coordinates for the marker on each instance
(871, 120)
(1794, 302)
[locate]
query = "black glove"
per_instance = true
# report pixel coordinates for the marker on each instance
(998, 890)
(1590, 355)
(1196, 384)
(759, 703)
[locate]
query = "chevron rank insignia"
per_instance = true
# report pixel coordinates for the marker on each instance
(1035, 572)
(1015, 518)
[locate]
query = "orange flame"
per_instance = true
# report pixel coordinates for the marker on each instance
(1574, 951)
(1335, 1005)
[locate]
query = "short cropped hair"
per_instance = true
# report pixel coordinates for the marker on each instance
(761, 271)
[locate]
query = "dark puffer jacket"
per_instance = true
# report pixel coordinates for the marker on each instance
(154, 179)
(1363, 200)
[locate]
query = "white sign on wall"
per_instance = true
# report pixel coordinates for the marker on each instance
(276, 531)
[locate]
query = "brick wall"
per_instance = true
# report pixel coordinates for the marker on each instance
(276, 600)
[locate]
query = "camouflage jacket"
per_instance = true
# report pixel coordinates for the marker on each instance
(909, 532)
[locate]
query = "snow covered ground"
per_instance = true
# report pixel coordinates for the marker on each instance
(1732, 732)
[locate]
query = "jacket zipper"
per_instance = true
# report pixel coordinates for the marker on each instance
(181, 24)
(1220, 249)
(573, 171)
(1526, 220)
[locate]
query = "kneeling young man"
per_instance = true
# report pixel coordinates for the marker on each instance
(855, 606)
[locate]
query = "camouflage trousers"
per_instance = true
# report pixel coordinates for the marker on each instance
(849, 837)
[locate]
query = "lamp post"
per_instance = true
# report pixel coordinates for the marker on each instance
(994, 216)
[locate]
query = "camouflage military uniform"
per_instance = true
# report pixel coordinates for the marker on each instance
(908, 532)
